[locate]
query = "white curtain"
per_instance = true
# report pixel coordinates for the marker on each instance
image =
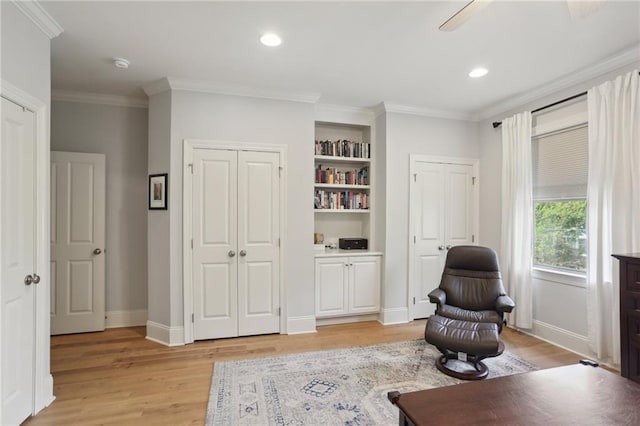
(517, 216)
(613, 204)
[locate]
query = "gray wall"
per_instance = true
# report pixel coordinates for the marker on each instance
(121, 134)
(26, 54)
(158, 264)
(241, 119)
(411, 134)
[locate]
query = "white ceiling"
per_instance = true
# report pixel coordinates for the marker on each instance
(353, 53)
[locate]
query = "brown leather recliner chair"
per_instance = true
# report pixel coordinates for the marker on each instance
(471, 303)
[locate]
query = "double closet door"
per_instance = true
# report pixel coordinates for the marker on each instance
(442, 208)
(236, 243)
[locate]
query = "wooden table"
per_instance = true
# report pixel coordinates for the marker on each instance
(575, 394)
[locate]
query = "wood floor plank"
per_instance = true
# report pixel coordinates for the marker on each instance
(119, 377)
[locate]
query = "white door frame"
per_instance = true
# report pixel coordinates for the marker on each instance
(420, 158)
(43, 380)
(187, 184)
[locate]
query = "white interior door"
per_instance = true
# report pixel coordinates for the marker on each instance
(428, 210)
(236, 243)
(18, 251)
(77, 242)
(215, 241)
(442, 209)
(459, 205)
(259, 245)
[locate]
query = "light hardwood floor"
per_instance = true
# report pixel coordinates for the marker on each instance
(119, 377)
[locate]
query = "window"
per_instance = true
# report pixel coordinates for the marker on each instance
(560, 207)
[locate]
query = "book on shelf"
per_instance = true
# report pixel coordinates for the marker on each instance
(340, 200)
(343, 148)
(334, 175)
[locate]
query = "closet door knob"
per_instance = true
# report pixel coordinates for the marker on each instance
(243, 253)
(232, 253)
(28, 279)
(441, 248)
(449, 246)
(36, 278)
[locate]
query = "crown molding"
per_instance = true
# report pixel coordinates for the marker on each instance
(424, 112)
(172, 83)
(612, 63)
(332, 113)
(344, 109)
(378, 110)
(98, 98)
(39, 16)
(156, 87)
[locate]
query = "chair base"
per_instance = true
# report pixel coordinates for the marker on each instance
(481, 370)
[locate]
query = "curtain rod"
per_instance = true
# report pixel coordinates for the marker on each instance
(497, 124)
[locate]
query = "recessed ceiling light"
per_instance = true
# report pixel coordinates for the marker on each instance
(478, 72)
(121, 63)
(271, 40)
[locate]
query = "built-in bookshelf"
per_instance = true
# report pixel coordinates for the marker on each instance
(342, 180)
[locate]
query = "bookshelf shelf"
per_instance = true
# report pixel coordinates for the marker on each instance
(331, 159)
(346, 211)
(341, 186)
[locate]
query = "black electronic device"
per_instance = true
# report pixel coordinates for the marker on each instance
(352, 243)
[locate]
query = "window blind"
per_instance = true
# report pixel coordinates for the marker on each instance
(560, 164)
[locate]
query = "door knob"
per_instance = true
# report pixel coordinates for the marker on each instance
(231, 253)
(449, 246)
(243, 253)
(441, 248)
(28, 279)
(36, 278)
(97, 251)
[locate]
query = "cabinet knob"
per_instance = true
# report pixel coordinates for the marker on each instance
(231, 253)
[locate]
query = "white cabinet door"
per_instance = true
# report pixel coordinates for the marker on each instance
(236, 251)
(332, 286)
(17, 261)
(442, 208)
(77, 242)
(364, 284)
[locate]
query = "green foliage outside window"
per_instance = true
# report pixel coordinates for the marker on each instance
(560, 235)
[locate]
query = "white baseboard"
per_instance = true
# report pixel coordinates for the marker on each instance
(559, 337)
(394, 316)
(301, 325)
(132, 318)
(347, 319)
(168, 336)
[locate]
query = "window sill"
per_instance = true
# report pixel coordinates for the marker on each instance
(574, 279)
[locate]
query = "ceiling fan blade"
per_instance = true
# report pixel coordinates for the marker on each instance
(461, 16)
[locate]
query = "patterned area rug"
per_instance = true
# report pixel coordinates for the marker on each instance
(338, 387)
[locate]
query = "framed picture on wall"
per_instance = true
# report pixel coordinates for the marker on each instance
(158, 191)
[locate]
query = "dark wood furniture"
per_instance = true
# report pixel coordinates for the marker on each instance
(575, 394)
(629, 315)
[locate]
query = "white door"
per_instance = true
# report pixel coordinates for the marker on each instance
(364, 284)
(428, 210)
(332, 286)
(236, 230)
(442, 208)
(18, 248)
(77, 242)
(258, 243)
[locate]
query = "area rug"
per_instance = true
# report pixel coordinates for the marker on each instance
(337, 387)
